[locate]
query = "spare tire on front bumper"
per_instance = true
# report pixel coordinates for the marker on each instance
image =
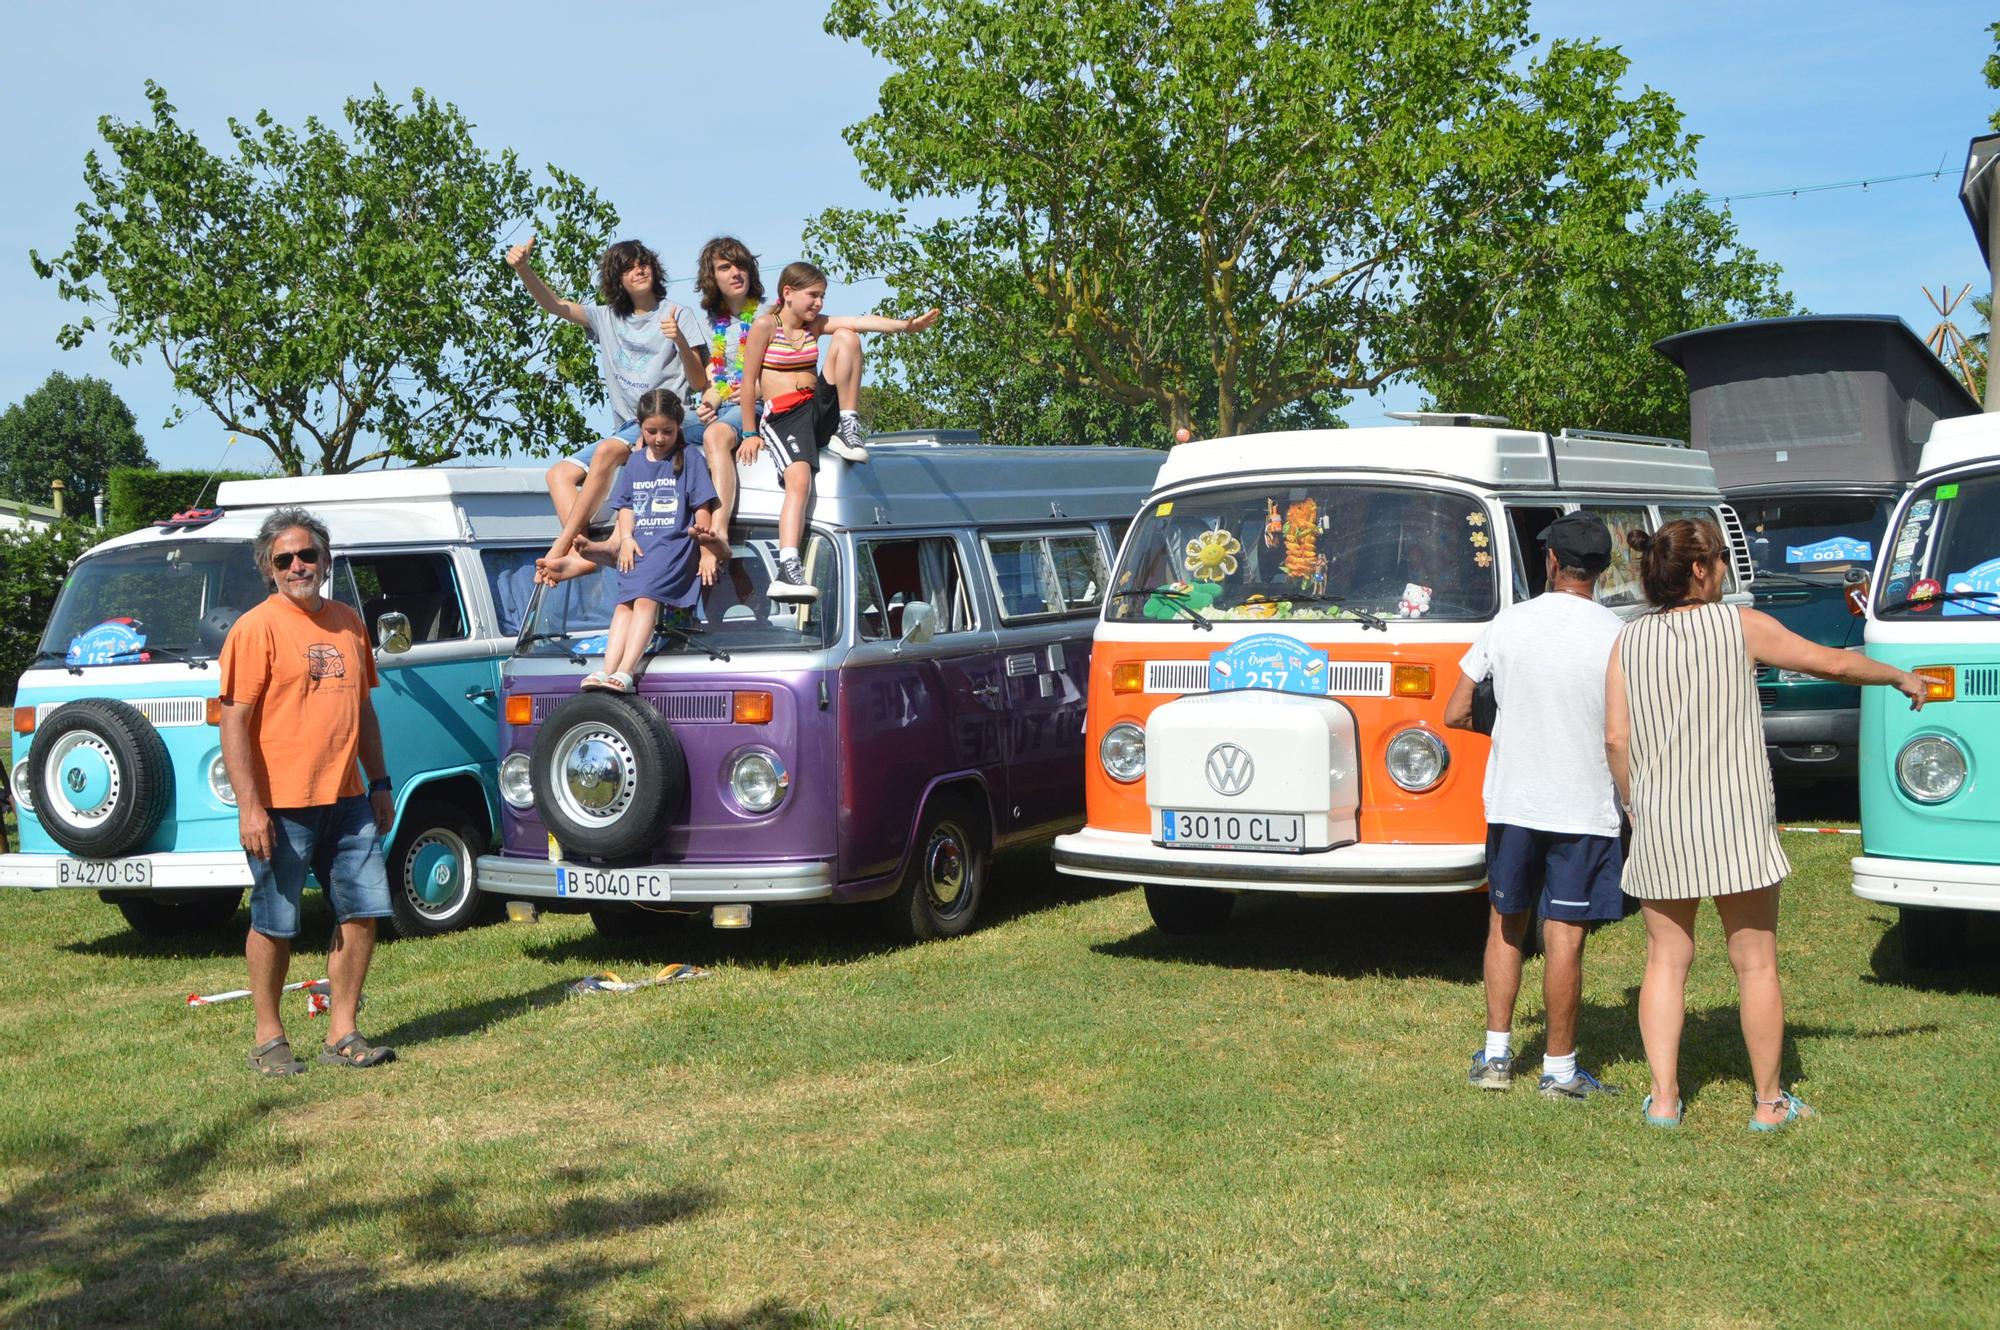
(608, 776)
(101, 776)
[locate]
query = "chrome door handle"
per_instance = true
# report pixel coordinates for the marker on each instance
(985, 690)
(478, 694)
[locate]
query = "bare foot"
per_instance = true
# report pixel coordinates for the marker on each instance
(601, 552)
(715, 542)
(551, 571)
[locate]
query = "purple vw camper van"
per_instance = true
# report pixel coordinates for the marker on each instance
(876, 744)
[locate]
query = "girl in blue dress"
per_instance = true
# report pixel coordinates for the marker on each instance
(665, 502)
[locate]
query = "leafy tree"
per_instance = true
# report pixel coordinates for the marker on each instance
(1244, 207)
(341, 298)
(33, 565)
(72, 430)
(1574, 348)
(1993, 71)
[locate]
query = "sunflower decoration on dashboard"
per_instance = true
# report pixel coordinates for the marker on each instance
(1301, 532)
(1211, 556)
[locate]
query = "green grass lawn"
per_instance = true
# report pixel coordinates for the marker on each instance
(1066, 1119)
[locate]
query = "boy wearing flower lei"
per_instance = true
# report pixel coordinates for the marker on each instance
(731, 294)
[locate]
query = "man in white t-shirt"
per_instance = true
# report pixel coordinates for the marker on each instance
(1551, 809)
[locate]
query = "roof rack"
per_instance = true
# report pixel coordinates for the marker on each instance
(926, 438)
(1448, 418)
(1607, 436)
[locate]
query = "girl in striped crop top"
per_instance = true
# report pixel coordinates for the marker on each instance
(803, 405)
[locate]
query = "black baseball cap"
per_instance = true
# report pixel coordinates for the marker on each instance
(1578, 540)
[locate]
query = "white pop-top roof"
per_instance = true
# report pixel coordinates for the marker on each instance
(1961, 439)
(1498, 458)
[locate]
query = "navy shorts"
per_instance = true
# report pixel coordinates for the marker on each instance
(1568, 877)
(338, 843)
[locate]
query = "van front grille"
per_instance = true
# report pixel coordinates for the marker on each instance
(1359, 678)
(709, 708)
(163, 712)
(1979, 683)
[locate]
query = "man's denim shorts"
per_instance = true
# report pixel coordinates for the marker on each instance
(1568, 877)
(339, 844)
(629, 432)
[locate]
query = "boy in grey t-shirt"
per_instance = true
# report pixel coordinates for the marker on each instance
(639, 348)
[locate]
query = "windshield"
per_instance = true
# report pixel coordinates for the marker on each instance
(1945, 563)
(1825, 533)
(736, 614)
(177, 596)
(1329, 550)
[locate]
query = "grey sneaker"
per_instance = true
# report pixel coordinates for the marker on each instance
(846, 443)
(791, 582)
(1490, 1073)
(1580, 1086)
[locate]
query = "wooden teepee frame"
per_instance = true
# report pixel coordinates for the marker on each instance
(1949, 344)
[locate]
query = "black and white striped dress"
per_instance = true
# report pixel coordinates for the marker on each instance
(1704, 818)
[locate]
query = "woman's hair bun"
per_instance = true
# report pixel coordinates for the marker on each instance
(1638, 540)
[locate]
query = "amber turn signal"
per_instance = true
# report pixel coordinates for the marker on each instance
(521, 710)
(1941, 682)
(1128, 676)
(24, 720)
(213, 713)
(752, 709)
(1412, 681)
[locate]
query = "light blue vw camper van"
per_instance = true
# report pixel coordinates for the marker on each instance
(117, 770)
(1930, 811)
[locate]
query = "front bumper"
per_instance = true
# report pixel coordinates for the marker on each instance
(694, 884)
(1126, 856)
(217, 869)
(1813, 743)
(1926, 884)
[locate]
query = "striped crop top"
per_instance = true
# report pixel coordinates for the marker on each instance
(782, 355)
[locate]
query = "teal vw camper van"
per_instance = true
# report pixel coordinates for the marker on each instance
(1930, 811)
(117, 768)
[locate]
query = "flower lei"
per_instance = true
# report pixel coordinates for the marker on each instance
(718, 350)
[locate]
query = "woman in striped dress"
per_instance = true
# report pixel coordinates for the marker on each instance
(1686, 745)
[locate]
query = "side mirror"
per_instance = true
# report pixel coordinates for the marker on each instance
(1857, 593)
(392, 632)
(919, 622)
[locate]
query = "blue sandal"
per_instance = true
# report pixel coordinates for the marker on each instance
(1795, 1108)
(1660, 1119)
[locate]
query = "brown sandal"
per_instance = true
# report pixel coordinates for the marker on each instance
(354, 1051)
(274, 1057)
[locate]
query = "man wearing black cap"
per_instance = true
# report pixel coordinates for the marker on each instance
(1551, 809)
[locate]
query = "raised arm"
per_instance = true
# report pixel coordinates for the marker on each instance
(693, 361)
(1618, 729)
(1771, 643)
(874, 323)
(517, 259)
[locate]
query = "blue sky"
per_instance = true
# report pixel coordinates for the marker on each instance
(1783, 94)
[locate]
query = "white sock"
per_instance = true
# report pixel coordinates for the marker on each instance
(850, 415)
(1560, 1068)
(1499, 1044)
(788, 552)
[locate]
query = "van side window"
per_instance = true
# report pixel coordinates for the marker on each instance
(1620, 583)
(1714, 519)
(1041, 576)
(896, 572)
(420, 586)
(1531, 571)
(511, 574)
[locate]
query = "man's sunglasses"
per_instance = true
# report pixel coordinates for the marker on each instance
(281, 562)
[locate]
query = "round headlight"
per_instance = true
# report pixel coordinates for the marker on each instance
(1123, 752)
(218, 781)
(24, 786)
(1417, 759)
(517, 785)
(757, 781)
(1930, 769)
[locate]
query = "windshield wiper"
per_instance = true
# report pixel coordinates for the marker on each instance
(1173, 598)
(48, 655)
(173, 653)
(529, 639)
(1796, 579)
(1368, 619)
(691, 639)
(1940, 597)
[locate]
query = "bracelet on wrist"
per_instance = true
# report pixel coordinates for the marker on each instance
(380, 785)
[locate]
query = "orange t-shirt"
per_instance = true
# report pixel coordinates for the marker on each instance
(304, 676)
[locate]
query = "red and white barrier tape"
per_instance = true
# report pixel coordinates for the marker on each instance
(1825, 831)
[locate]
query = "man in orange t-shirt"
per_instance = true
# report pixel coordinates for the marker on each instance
(296, 671)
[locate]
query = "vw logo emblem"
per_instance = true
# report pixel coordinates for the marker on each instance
(74, 780)
(1229, 769)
